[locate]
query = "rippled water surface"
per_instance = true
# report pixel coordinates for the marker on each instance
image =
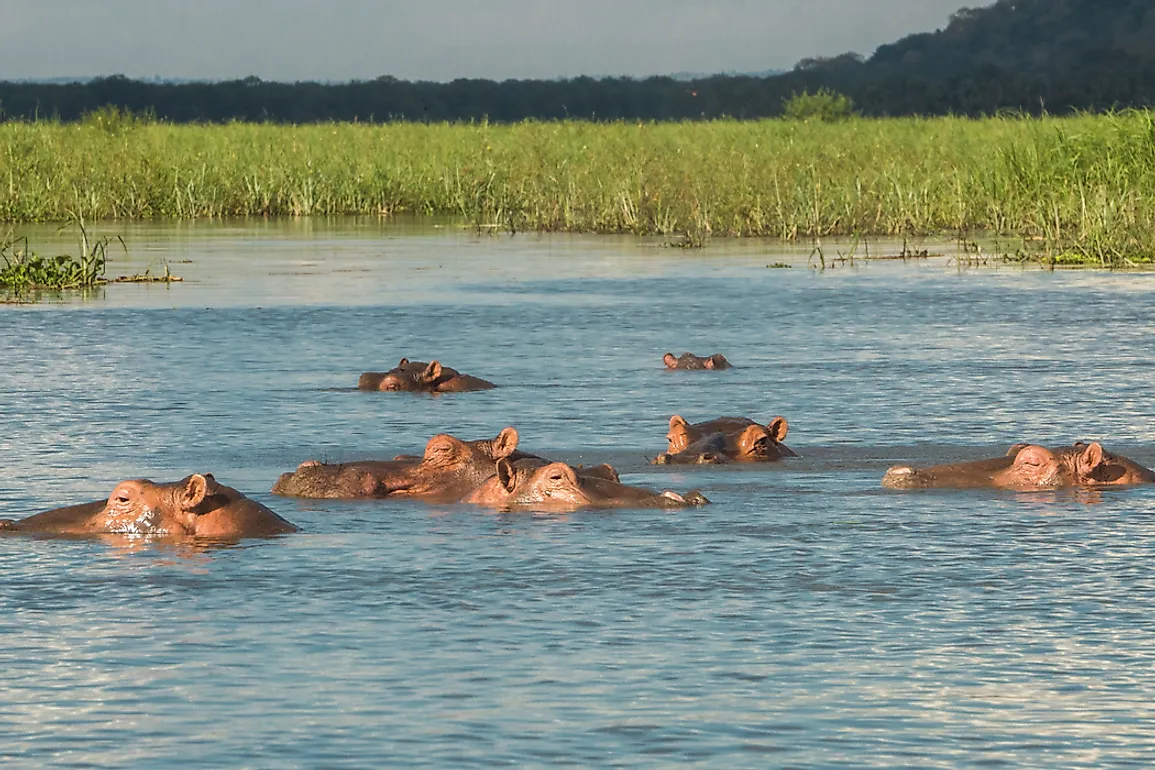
(807, 618)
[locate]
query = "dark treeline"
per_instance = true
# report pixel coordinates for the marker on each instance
(1025, 55)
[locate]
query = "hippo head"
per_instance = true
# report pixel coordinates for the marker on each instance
(551, 487)
(450, 468)
(445, 451)
(1025, 467)
(691, 361)
(142, 507)
(560, 487)
(413, 376)
(1092, 465)
(727, 438)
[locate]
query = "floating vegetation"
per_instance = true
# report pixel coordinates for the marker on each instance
(1077, 189)
(23, 271)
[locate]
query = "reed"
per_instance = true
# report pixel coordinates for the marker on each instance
(1069, 190)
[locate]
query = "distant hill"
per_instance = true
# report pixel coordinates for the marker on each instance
(1024, 55)
(1063, 54)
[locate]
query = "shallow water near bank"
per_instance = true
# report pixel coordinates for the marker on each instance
(807, 618)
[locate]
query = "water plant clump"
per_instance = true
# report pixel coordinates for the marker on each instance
(1070, 189)
(23, 270)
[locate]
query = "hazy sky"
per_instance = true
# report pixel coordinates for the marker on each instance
(442, 39)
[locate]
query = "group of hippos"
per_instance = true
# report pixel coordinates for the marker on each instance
(494, 473)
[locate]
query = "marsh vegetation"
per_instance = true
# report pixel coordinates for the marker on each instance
(1060, 190)
(22, 270)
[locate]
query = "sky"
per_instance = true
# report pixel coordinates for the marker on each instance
(340, 40)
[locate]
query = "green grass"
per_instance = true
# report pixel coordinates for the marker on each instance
(1069, 190)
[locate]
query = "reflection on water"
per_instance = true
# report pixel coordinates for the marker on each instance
(806, 618)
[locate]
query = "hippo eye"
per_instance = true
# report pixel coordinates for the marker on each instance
(122, 498)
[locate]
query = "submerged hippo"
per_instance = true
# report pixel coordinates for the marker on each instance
(725, 439)
(421, 377)
(1027, 467)
(691, 361)
(196, 506)
(561, 487)
(449, 470)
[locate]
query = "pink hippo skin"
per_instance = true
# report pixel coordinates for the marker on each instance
(194, 507)
(558, 487)
(449, 470)
(725, 439)
(1027, 467)
(691, 361)
(421, 377)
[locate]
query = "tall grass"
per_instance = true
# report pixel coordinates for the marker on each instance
(1073, 189)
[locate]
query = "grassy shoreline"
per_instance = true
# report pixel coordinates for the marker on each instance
(1070, 190)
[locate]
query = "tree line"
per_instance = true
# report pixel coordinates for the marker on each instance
(1023, 55)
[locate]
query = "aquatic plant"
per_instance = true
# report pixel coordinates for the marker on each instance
(1061, 189)
(24, 270)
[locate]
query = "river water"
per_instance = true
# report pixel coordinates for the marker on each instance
(808, 618)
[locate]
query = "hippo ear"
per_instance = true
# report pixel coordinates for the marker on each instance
(505, 443)
(678, 421)
(750, 436)
(670, 361)
(1092, 456)
(506, 474)
(1014, 450)
(196, 488)
(432, 372)
(404, 362)
(778, 427)
(709, 364)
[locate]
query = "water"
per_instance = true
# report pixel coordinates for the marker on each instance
(807, 618)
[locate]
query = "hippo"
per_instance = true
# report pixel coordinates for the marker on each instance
(725, 439)
(421, 377)
(1027, 467)
(449, 470)
(197, 506)
(691, 361)
(559, 487)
